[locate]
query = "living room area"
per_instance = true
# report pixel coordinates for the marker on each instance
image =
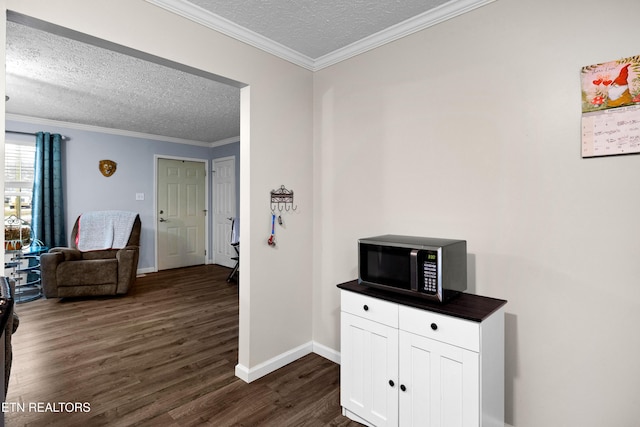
(133, 186)
(114, 168)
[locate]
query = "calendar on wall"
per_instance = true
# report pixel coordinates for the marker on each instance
(611, 108)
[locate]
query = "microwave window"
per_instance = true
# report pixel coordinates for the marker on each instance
(386, 266)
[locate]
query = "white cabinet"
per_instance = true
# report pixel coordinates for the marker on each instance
(370, 361)
(409, 366)
(440, 383)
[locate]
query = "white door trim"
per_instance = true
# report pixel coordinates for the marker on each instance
(157, 157)
(213, 198)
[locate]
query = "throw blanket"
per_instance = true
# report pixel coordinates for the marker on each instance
(104, 230)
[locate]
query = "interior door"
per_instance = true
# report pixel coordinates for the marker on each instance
(224, 208)
(181, 213)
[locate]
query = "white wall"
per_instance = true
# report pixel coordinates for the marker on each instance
(276, 147)
(471, 129)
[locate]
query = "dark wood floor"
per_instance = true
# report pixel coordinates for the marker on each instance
(164, 355)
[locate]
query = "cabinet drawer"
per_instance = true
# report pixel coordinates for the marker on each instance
(451, 330)
(370, 308)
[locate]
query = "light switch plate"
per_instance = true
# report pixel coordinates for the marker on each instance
(139, 196)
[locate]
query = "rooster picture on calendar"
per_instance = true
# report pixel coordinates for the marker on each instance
(611, 85)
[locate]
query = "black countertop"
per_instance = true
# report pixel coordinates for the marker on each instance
(465, 306)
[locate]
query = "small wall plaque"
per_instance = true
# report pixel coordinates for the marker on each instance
(107, 167)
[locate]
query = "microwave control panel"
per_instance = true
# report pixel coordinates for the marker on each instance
(430, 272)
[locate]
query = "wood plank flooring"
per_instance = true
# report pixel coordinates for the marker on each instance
(163, 355)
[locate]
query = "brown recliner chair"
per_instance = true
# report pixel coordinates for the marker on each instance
(69, 272)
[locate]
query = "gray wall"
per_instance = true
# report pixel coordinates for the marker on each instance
(86, 189)
(472, 129)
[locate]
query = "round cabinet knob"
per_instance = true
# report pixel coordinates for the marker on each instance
(402, 387)
(365, 307)
(434, 326)
(391, 383)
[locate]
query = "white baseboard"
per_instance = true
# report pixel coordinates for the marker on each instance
(326, 352)
(251, 374)
(273, 364)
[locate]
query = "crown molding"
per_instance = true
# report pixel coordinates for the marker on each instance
(89, 128)
(216, 22)
(412, 25)
(225, 141)
(428, 19)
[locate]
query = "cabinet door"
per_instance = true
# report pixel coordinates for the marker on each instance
(369, 361)
(441, 384)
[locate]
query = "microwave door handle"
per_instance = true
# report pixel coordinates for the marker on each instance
(414, 269)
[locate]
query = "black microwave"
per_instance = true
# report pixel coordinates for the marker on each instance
(427, 267)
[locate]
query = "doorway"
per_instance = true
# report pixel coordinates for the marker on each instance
(225, 218)
(149, 248)
(181, 226)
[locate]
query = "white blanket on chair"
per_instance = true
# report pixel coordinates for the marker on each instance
(104, 230)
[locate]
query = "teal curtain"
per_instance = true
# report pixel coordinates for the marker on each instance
(48, 203)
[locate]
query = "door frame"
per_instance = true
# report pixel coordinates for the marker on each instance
(156, 158)
(213, 199)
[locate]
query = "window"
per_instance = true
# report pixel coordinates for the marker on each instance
(18, 179)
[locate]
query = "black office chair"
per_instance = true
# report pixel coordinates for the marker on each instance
(235, 242)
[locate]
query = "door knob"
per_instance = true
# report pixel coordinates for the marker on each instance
(163, 220)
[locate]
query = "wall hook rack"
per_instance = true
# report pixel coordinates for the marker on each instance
(282, 200)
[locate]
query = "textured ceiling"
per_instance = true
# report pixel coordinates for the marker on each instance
(316, 28)
(56, 74)
(57, 78)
